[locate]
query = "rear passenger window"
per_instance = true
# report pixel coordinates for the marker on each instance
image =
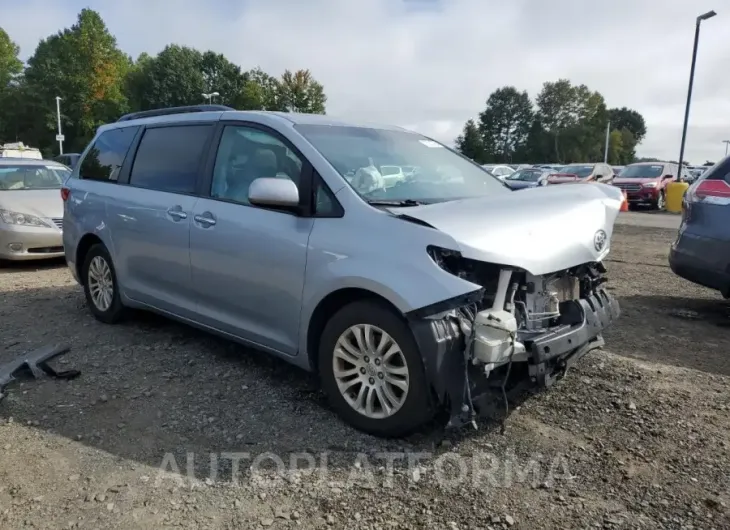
(105, 158)
(169, 158)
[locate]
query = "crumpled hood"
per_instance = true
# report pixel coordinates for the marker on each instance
(41, 203)
(541, 230)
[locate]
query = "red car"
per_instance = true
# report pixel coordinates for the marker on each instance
(645, 182)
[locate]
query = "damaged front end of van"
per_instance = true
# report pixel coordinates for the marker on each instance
(540, 300)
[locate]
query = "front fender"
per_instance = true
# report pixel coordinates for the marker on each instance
(388, 259)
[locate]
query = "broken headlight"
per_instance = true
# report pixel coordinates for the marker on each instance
(445, 258)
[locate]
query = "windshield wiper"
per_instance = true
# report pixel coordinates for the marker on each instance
(391, 202)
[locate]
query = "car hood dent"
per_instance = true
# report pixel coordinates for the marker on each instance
(41, 203)
(541, 230)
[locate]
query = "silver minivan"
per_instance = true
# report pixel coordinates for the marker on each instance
(434, 293)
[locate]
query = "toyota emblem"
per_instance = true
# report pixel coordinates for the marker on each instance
(599, 240)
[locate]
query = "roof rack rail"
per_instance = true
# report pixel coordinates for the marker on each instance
(174, 110)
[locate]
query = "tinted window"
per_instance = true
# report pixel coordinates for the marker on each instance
(325, 203)
(245, 154)
(169, 158)
(104, 160)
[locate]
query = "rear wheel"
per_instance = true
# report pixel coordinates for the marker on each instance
(100, 285)
(372, 371)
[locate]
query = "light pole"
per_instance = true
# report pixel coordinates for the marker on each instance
(700, 18)
(209, 97)
(727, 143)
(608, 135)
(59, 136)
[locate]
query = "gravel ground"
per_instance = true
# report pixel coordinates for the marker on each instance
(637, 436)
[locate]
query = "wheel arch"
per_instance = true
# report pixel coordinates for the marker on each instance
(328, 306)
(82, 249)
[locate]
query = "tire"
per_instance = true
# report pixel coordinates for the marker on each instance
(660, 203)
(415, 407)
(115, 311)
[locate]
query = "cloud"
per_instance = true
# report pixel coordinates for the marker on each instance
(431, 64)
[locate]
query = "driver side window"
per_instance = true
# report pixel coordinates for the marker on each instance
(246, 154)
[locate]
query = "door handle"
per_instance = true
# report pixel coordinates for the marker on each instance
(176, 213)
(206, 220)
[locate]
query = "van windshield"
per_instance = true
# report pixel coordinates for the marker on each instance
(361, 153)
(32, 177)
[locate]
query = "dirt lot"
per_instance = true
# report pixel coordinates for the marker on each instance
(637, 436)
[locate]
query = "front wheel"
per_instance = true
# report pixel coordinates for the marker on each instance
(372, 372)
(660, 201)
(100, 285)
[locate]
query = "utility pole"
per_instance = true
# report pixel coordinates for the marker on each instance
(59, 136)
(727, 143)
(699, 20)
(608, 135)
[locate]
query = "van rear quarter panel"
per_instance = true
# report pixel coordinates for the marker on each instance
(85, 212)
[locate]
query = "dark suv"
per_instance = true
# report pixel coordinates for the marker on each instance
(701, 253)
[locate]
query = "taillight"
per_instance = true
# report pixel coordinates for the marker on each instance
(65, 192)
(712, 188)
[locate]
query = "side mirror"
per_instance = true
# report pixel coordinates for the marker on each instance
(280, 192)
(599, 177)
(668, 177)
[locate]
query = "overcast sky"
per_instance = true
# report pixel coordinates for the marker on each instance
(431, 64)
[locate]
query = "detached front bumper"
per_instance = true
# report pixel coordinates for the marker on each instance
(450, 371)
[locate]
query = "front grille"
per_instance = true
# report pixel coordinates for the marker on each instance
(58, 223)
(629, 187)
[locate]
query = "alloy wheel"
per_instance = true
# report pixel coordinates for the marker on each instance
(101, 285)
(371, 371)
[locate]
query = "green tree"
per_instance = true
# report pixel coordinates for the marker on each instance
(10, 82)
(625, 118)
(505, 123)
(300, 92)
(557, 111)
(470, 144)
(83, 65)
(538, 147)
(261, 91)
(575, 118)
(222, 76)
(615, 148)
(173, 78)
(10, 65)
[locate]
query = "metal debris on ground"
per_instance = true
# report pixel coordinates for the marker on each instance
(35, 362)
